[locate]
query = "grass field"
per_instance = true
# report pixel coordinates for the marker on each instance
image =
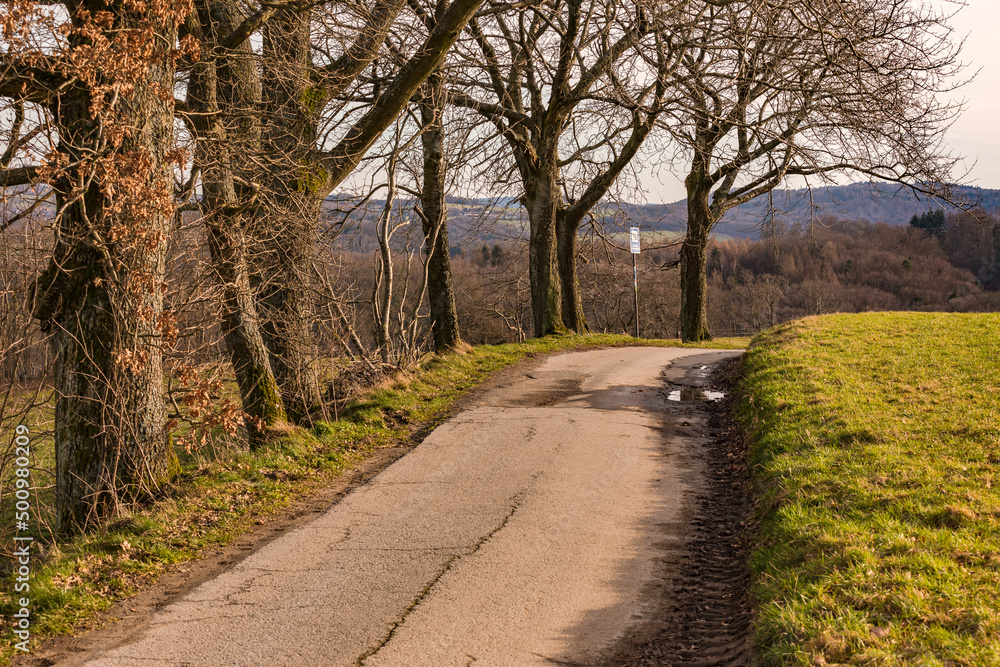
(224, 494)
(875, 445)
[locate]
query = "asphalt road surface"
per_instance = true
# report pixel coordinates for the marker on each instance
(529, 529)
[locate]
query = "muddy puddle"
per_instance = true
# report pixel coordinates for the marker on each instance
(695, 394)
(692, 381)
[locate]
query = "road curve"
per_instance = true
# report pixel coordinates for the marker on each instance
(527, 530)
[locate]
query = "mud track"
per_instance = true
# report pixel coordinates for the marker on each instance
(705, 614)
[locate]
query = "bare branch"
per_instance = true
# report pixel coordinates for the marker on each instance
(19, 176)
(345, 156)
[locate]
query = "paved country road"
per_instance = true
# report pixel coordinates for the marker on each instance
(529, 529)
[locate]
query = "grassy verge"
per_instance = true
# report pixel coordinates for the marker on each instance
(221, 496)
(875, 441)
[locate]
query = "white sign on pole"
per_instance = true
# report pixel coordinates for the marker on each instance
(633, 237)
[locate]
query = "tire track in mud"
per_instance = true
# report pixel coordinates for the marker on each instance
(704, 614)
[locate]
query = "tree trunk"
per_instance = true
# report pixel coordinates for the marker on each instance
(287, 219)
(298, 179)
(102, 296)
(283, 297)
(382, 297)
(221, 94)
(694, 283)
(248, 354)
(572, 301)
(441, 291)
(541, 201)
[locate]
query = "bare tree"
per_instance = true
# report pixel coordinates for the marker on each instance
(303, 167)
(223, 93)
(433, 214)
(773, 89)
(398, 302)
(385, 287)
(573, 88)
(102, 77)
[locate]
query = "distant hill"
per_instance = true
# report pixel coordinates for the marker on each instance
(500, 219)
(858, 201)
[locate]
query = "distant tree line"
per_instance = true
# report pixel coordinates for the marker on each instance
(933, 222)
(847, 266)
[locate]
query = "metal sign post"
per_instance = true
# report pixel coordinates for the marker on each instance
(633, 237)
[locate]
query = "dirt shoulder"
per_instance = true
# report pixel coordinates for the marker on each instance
(704, 606)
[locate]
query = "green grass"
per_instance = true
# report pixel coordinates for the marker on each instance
(875, 445)
(223, 494)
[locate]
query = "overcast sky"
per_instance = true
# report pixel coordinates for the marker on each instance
(975, 135)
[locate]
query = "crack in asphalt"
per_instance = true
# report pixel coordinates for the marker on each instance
(427, 589)
(416, 550)
(418, 483)
(145, 659)
(557, 661)
(197, 620)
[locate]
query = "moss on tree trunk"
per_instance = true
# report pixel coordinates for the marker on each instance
(542, 199)
(441, 290)
(284, 230)
(102, 297)
(223, 93)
